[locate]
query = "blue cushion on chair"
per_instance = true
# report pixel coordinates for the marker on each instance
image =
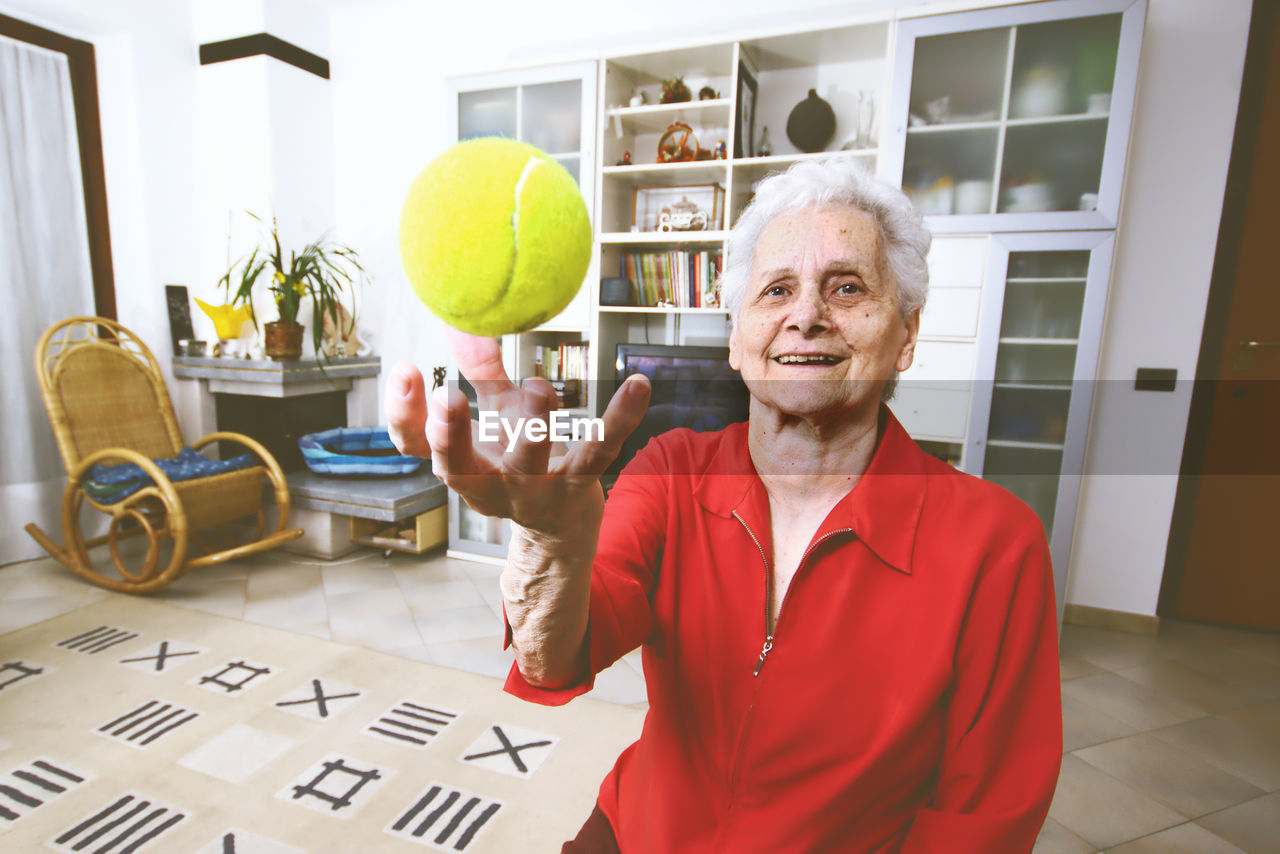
(364, 451)
(108, 484)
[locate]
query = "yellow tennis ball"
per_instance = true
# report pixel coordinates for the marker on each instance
(494, 236)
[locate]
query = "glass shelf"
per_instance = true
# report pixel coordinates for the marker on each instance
(1038, 446)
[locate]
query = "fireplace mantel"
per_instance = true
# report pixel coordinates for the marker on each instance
(276, 379)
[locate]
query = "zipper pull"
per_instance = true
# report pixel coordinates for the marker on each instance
(764, 653)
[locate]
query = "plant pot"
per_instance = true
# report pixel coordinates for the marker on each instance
(282, 341)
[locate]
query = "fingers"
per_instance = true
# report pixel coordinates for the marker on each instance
(625, 412)
(406, 410)
(529, 455)
(448, 431)
(480, 361)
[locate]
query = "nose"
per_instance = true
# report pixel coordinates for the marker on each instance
(808, 314)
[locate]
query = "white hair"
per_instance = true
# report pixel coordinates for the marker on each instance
(833, 181)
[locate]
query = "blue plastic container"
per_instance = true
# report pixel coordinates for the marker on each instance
(362, 451)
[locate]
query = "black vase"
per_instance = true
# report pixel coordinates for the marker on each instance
(811, 124)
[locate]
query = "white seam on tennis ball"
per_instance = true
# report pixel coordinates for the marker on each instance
(531, 164)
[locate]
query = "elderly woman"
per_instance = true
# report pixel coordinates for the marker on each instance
(848, 645)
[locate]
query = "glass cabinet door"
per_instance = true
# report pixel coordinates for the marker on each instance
(553, 109)
(1037, 365)
(1021, 112)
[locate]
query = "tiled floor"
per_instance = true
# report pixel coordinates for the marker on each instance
(1173, 742)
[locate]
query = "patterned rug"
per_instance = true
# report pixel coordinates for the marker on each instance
(134, 726)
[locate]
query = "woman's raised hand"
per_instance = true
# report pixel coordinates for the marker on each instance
(541, 485)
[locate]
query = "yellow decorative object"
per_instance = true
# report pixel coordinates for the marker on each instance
(227, 319)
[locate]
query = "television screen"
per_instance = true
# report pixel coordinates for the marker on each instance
(693, 387)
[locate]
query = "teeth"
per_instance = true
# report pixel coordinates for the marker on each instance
(807, 360)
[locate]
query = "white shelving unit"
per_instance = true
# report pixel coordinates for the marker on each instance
(1008, 97)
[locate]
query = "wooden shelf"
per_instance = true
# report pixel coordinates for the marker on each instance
(656, 118)
(669, 174)
(663, 237)
(643, 309)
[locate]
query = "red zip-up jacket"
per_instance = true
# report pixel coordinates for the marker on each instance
(907, 701)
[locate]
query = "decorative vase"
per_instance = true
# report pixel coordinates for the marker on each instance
(283, 341)
(227, 319)
(811, 124)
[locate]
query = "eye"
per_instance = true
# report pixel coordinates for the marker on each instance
(849, 288)
(775, 291)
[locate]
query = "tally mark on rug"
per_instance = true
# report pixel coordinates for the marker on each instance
(32, 785)
(156, 658)
(338, 785)
(13, 673)
(510, 750)
(411, 723)
(131, 822)
(237, 841)
(318, 700)
(446, 818)
(141, 726)
(97, 640)
(234, 677)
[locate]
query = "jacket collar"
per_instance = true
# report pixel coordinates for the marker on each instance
(883, 509)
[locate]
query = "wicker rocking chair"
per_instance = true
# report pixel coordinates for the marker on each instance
(108, 404)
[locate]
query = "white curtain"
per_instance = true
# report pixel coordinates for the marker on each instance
(44, 277)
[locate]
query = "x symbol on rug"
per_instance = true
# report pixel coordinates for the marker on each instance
(160, 657)
(319, 698)
(512, 750)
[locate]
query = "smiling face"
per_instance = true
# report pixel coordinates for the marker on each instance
(820, 332)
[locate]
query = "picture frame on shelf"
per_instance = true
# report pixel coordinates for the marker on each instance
(744, 119)
(682, 208)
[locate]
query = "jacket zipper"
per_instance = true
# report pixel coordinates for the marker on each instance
(735, 768)
(768, 640)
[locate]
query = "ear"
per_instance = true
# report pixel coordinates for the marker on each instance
(735, 349)
(907, 354)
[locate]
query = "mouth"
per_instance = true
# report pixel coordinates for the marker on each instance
(819, 360)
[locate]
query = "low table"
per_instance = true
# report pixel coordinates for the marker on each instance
(407, 513)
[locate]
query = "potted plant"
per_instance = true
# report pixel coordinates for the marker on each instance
(322, 270)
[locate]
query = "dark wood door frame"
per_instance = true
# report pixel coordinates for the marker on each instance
(1222, 284)
(84, 93)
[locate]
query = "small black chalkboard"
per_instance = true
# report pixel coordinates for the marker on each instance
(179, 315)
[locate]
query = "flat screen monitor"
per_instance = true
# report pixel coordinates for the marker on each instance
(693, 387)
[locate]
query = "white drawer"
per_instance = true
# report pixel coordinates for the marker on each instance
(951, 313)
(942, 362)
(931, 413)
(957, 261)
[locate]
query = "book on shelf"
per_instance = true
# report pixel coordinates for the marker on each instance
(566, 367)
(567, 361)
(678, 278)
